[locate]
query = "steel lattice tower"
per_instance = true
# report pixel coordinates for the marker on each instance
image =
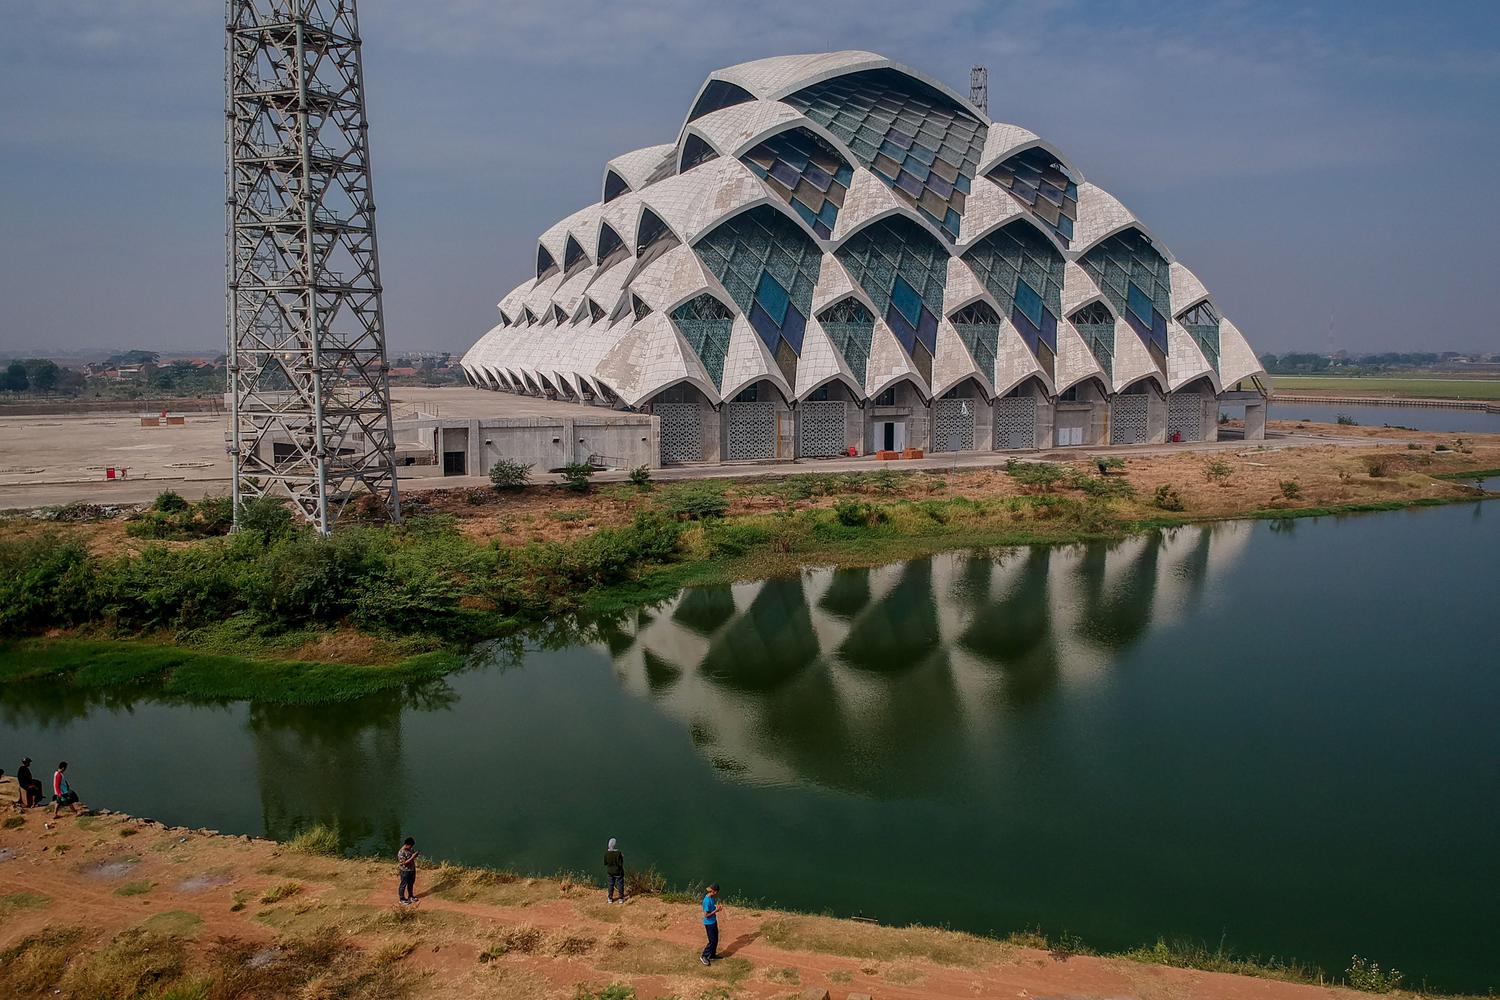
(309, 385)
(979, 89)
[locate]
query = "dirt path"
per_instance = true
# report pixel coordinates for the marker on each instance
(133, 883)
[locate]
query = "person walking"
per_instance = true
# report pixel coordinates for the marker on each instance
(62, 792)
(614, 869)
(711, 911)
(31, 789)
(406, 867)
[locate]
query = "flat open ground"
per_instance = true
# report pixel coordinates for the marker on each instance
(111, 906)
(61, 458)
(1392, 388)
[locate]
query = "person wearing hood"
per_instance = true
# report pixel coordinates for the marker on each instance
(614, 869)
(31, 788)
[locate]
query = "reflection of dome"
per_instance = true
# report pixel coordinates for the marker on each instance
(827, 227)
(869, 680)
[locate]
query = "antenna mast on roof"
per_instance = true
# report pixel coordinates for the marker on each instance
(979, 89)
(309, 386)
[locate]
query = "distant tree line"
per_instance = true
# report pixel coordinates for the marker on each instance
(1295, 363)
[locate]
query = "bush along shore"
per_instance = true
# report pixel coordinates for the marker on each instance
(106, 905)
(273, 612)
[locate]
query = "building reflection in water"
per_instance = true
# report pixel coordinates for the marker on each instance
(343, 769)
(873, 680)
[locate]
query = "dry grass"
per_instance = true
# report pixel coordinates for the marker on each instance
(841, 937)
(280, 891)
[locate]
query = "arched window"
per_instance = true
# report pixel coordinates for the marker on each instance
(705, 323)
(902, 269)
(639, 307)
(1202, 323)
(573, 257)
(1096, 325)
(694, 152)
(978, 326)
(769, 266)
(652, 239)
(1137, 280)
(917, 139)
(612, 248)
(546, 267)
(1036, 179)
(851, 328)
(807, 173)
(1023, 271)
(717, 96)
(614, 186)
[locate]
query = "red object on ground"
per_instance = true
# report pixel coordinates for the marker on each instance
(912, 453)
(109, 473)
(887, 456)
(853, 451)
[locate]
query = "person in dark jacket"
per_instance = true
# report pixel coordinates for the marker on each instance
(31, 789)
(614, 869)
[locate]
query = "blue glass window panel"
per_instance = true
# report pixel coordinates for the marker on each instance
(793, 328)
(807, 214)
(1049, 331)
(951, 221)
(909, 183)
(927, 331)
(785, 173)
(845, 176)
(1139, 303)
(772, 297)
(817, 177)
(765, 326)
(905, 298)
(1029, 302)
(962, 183)
(1065, 226)
(922, 155)
(940, 187)
(1159, 331)
(1029, 333)
(830, 213)
(906, 333)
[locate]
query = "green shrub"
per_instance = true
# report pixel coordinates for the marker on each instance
(1347, 421)
(695, 500)
(1167, 498)
(576, 476)
(509, 474)
(641, 476)
(887, 481)
(319, 839)
(168, 502)
(1291, 489)
(1216, 470)
(1378, 465)
(1365, 975)
(1040, 476)
(856, 514)
(268, 516)
(48, 581)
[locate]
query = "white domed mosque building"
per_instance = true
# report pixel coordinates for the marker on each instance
(841, 253)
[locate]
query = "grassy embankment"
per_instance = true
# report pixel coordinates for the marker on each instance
(1395, 388)
(275, 614)
(121, 907)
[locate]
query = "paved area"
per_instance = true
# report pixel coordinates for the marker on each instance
(61, 458)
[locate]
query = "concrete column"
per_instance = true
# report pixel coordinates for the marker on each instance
(713, 445)
(1156, 415)
(1255, 421)
(571, 448)
(984, 424)
(475, 458)
(1046, 422)
(1210, 418)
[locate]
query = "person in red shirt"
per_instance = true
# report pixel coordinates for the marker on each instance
(62, 792)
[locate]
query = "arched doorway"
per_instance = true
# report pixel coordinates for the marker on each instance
(689, 425)
(1016, 412)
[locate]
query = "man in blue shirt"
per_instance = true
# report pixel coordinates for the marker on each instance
(711, 910)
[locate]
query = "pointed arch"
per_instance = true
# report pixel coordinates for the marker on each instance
(1042, 184)
(705, 323)
(978, 326)
(546, 266)
(903, 269)
(850, 326)
(614, 186)
(1136, 279)
(574, 258)
(695, 150)
(653, 237)
(717, 95)
(806, 172)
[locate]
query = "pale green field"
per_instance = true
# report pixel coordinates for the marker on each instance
(1418, 388)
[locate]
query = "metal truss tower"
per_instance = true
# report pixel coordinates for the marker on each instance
(979, 89)
(310, 403)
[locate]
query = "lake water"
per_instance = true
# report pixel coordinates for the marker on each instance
(1422, 418)
(1281, 734)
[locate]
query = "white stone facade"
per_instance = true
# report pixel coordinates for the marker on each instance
(1043, 286)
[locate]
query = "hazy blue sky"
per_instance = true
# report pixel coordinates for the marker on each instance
(1301, 158)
